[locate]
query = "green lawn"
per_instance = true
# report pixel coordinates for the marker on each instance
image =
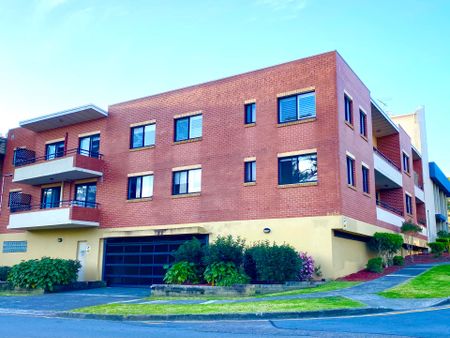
(435, 283)
(329, 286)
(291, 305)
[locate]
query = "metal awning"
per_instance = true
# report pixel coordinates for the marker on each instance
(64, 118)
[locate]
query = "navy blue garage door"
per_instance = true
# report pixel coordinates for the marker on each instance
(136, 261)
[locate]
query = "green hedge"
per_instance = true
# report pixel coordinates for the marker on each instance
(375, 265)
(44, 273)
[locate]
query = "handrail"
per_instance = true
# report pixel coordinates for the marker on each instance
(61, 204)
(60, 154)
(387, 159)
(386, 206)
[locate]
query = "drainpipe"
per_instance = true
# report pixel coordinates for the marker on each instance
(3, 190)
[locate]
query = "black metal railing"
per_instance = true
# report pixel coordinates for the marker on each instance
(387, 159)
(388, 207)
(53, 205)
(24, 156)
(422, 221)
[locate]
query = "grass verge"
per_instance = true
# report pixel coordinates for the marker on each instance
(431, 284)
(291, 305)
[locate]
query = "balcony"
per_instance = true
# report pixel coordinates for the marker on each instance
(74, 164)
(388, 214)
(64, 215)
(387, 173)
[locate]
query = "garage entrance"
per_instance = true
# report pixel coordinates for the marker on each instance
(137, 261)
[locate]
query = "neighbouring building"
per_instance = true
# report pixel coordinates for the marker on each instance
(296, 153)
(441, 192)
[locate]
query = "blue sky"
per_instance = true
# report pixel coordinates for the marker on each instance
(58, 54)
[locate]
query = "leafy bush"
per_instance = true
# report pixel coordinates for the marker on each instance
(190, 251)
(181, 273)
(307, 267)
(437, 248)
(272, 263)
(386, 244)
(4, 270)
(446, 242)
(44, 273)
(399, 260)
(224, 274)
(375, 265)
(224, 250)
(410, 229)
(443, 234)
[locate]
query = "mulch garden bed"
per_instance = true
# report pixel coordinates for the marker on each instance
(365, 275)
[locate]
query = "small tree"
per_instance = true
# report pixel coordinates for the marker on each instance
(387, 245)
(410, 229)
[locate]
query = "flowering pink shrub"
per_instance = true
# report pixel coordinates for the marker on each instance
(306, 268)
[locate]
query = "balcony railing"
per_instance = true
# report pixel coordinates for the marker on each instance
(387, 159)
(25, 156)
(14, 208)
(417, 180)
(390, 208)
(422, 221)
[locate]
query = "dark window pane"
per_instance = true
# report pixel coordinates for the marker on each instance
(181, 129)
(288, 173)
(250, 113)
(250, 172)
(348, 105)
(288, 109)
(137, 135)
(180, 185)
(133, 188)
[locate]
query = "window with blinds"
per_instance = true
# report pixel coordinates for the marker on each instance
(296, 107)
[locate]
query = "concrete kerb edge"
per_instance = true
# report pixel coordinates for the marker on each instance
(228, 316)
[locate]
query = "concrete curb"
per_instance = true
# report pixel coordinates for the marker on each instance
(442, 302)
(228, 316)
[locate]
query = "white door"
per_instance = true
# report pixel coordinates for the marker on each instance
(82, 257)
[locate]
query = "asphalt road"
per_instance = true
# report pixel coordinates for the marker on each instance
(429, 323)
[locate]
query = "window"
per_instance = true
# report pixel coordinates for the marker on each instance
(187, 181)
(365, 179)
(14, 246)
(50, 197)
(90, 146)
(142, 136)
(140, 187)
(296, 107)
(250, 171)
(405, 163)
(348, 106)
(350, 171)
(54, 150)
(362, 123)
(408, 201)
(188, 127)
(297, 169)
(85, 195)
(250, 113)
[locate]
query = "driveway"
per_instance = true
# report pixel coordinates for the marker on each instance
(63, 301)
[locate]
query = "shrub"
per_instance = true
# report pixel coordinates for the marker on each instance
(4, 270)
(190, 251)
(386, 244)
(446, 242)
(306, 267)
(181, 273)
(443, 234)
(224, 274)
(399, 260)
(44, 273)
(437, 248)
(410, 229)
(224, 250)
(375, 265)
(272, 263)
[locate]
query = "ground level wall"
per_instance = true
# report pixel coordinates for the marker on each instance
(337, 256)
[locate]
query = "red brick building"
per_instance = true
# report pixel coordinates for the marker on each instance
(284, 153)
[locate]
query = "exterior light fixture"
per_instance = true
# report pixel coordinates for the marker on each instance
(267, 230)
(60, 239)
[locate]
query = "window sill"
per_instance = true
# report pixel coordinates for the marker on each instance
(188, 141)
(407, 173)
(350, 125)
(248, 125)
(305, 120)
(367, 194)
(364, 137)
(410, 215)
(351, 187)
(142, 148)
(295, 185)
(249, 184)
(137, 200)
(194, 194)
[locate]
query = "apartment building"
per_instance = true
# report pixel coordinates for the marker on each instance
(296, 153)
(441, 192)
